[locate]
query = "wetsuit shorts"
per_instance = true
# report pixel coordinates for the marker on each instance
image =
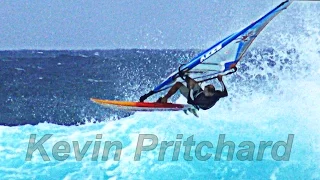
(185, 91)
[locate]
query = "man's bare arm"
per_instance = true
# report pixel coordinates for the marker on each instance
(224, 91)
(191, 83)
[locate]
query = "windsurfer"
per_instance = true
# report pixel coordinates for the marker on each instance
(200, 98)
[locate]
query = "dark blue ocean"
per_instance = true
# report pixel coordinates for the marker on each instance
(56, 86)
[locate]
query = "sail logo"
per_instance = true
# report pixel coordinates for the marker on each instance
(246, 37)
(210, 53)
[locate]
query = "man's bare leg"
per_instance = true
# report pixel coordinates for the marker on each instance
(171, 92)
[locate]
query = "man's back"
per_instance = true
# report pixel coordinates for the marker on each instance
(206, 102)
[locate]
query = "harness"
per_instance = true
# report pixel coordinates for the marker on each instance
(192, 96)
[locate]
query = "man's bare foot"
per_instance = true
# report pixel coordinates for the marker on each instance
(164, 100)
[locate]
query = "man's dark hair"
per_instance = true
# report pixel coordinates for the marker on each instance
(211, 89)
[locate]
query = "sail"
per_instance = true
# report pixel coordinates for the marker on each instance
(222, 57)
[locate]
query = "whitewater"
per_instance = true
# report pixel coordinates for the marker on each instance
(275, 93)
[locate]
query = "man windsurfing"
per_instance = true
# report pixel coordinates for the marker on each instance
(200, 98)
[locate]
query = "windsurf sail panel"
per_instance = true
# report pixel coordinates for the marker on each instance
(222, 57)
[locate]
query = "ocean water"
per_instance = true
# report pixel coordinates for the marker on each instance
(274, 94)
(56, 86)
